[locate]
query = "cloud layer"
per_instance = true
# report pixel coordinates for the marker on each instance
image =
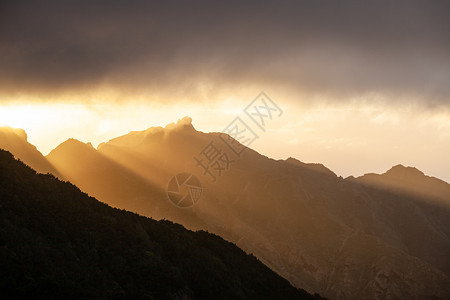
(338, 48)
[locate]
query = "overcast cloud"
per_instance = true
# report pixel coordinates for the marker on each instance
(334, 47)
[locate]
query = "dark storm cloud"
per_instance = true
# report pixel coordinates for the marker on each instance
(317, 46)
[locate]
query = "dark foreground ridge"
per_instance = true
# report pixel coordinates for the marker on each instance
(57, 242)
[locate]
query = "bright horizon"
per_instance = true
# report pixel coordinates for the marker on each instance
(351, 140)
(362, 87)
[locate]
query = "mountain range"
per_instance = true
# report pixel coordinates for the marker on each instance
(378, 236)
(56, 242)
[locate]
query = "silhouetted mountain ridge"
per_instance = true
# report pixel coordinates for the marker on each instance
(312, 166)
(154, 134)
(410, 180)
(73, 145)
(402, 171)
(56, 242)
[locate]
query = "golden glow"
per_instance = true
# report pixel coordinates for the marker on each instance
(48, 125)
(350, 139)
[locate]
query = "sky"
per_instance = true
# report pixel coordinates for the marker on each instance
(364, 85)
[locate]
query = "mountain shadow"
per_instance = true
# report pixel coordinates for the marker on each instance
(57, 242)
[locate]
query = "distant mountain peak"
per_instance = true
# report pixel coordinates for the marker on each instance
(183, 123)
(15, 140)
(316, 167)
(291, 159)
(16, 131)
(72, 145)
(402, 171)
(135, 138)
(75, 142)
